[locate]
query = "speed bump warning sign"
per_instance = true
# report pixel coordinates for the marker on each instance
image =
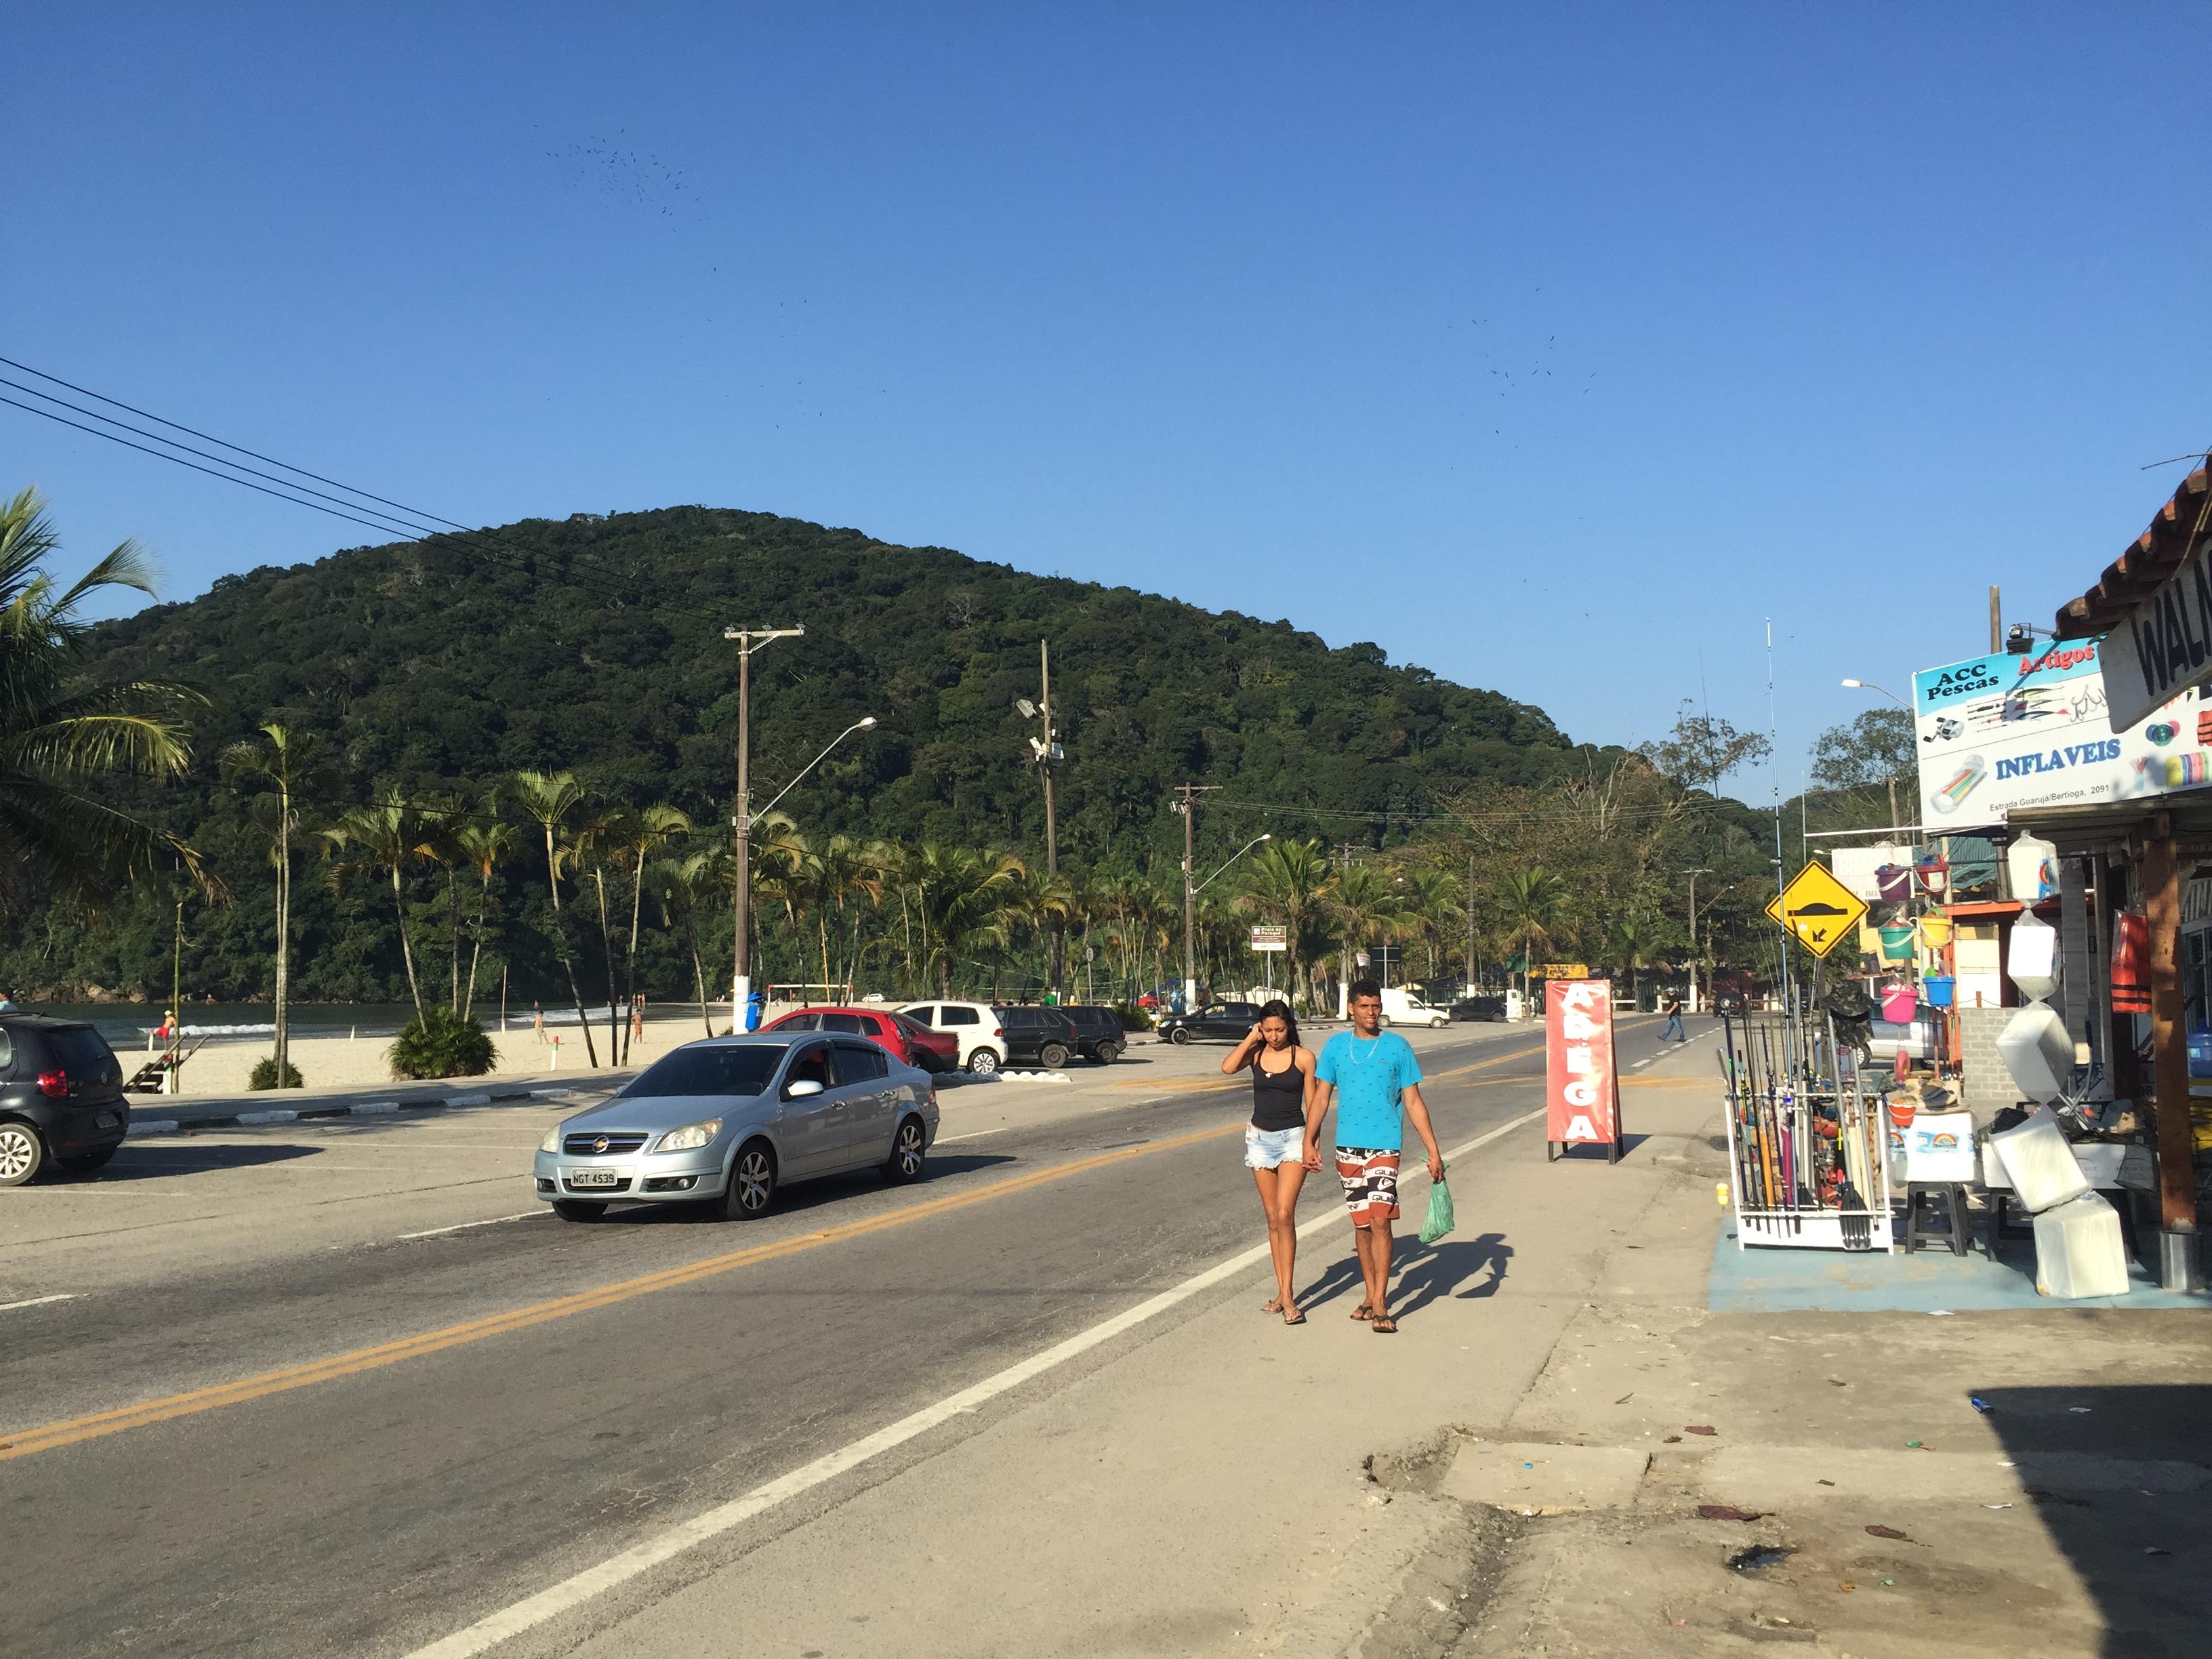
(1818, 908)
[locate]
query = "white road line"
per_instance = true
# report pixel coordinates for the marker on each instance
(463, 1226)
(39, 1301)
(617, 1570)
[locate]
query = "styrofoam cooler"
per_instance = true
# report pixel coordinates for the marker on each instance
(1940, 1147)
(2039, 1164)
(2079, 1251)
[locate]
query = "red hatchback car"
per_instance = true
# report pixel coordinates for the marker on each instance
(909, 1039)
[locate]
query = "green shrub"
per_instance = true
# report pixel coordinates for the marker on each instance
(1133, 1018)
(440, 1043)
(264, 1075)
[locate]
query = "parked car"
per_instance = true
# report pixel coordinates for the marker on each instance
(61, 1098)
(1402, 1007)
(978, 1039)
(1478, 1008)
(1226, 1021)
(1037, 1035)
(909, 1039)
(1918, 1039)
(727, 1121)
(1098, 1032)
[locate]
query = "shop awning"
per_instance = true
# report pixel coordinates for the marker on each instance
(2149, 560)
(2096, 825)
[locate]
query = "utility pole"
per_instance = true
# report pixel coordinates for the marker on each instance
(1470, 925)
(1346, 967)
(1997, 624)
(749, 639)
(1189, 807)
(1702, 869)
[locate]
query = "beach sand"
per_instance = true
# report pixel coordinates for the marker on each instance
(220, 1068)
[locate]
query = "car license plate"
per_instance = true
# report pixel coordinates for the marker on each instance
(592, 1177)
(105, 1120)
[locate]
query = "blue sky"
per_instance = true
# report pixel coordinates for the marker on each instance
(1552, 348)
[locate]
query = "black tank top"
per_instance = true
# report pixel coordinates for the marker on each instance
(1279, 1099)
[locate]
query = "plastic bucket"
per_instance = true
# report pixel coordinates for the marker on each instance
(1897, 942)
(1935, 931)
(1900, 1006)
(1938, 987)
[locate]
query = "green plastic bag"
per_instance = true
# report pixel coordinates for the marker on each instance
(1440, 1216)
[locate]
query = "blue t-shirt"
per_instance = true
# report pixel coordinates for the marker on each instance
(1369, 1075)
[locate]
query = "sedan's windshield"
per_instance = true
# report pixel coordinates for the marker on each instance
(710, 1071)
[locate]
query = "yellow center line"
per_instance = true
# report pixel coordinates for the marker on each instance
(52, 1436)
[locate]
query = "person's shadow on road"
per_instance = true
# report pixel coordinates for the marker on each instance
(1423, 1273)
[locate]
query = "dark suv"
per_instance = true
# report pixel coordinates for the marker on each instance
(1098, 1033)
(1037, 1035)
(61, 1097)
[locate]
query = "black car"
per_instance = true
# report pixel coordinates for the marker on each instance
(1037, 1035)
(1098, 1032)
(61, 1098)
(1476, 1008)
(1225, 1022)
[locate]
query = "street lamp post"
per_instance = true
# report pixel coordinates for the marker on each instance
(1868, 685)
(749, 639)
(1045, 751)
(1190, 893)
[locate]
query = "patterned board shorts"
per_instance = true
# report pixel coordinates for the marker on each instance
(1370, 1183)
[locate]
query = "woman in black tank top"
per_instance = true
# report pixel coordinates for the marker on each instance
(1276, 1148)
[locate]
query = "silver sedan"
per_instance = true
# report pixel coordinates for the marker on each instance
(729, 1119)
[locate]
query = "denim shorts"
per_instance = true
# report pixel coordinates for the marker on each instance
(1264, 1149)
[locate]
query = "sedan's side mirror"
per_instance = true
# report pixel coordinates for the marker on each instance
(800, 1090)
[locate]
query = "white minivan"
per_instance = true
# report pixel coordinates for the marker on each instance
(1402, 1007)
(974, 1025)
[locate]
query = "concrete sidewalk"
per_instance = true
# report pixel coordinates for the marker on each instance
(157, 1114)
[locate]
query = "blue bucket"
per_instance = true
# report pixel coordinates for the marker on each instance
(1937, 988)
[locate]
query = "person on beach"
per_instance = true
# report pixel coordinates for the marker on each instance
(1282, 1093)
(1371, 1078)
(538, 1021)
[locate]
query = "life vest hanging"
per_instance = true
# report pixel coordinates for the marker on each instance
(2130, 965)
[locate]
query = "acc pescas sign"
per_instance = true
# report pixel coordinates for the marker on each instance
(1582, 1102)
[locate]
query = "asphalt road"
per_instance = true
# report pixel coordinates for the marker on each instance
(340, 1444)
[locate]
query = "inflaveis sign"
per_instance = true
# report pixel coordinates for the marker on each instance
(2164, 646)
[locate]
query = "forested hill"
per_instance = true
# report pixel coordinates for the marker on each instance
(596, 644)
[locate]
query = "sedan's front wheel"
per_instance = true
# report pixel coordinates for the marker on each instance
(752, 1183)
(1179, 1035)
(23, 1154)
(908, 1148)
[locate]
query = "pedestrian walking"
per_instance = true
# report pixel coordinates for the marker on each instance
(537, 1021)
(1370, 1077)
(1274, 1140)
(1670, 1004)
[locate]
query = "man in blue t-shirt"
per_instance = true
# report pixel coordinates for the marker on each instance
(1369, 1075)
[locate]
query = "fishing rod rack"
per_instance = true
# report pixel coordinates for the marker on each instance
(1807, 1144)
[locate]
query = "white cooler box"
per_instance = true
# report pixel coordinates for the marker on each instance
(2040, 1163)
(2078, 1250)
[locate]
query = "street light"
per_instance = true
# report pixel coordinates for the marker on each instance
(1702, 869)
(1189, 912)
(749, 639)
(1868, 685)
(865, 723)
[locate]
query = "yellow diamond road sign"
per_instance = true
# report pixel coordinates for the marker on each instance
(1818, 909)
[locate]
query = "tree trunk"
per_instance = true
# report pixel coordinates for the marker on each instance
(561, 945)
(699, 973)
(607, 954)
(475, 945)
(406, 950)
(283, 928)
(454, 927)
(630, 965)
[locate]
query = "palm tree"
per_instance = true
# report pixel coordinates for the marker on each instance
(485, 842)
(553, 799)
(590, 843)
(1365, 906)
(1635, 945)
(57, 733)
(962, 897)
(1289, 882)
(390, 836)
(687, 886)
(1533, 900)
(1431, 898)
(648, 833)
(292, 764)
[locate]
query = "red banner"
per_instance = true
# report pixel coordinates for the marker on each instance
(1583, 1099)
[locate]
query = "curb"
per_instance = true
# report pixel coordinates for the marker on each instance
(141, 1127)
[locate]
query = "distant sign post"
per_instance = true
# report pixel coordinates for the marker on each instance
(1819, 910)
(1270, 937)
